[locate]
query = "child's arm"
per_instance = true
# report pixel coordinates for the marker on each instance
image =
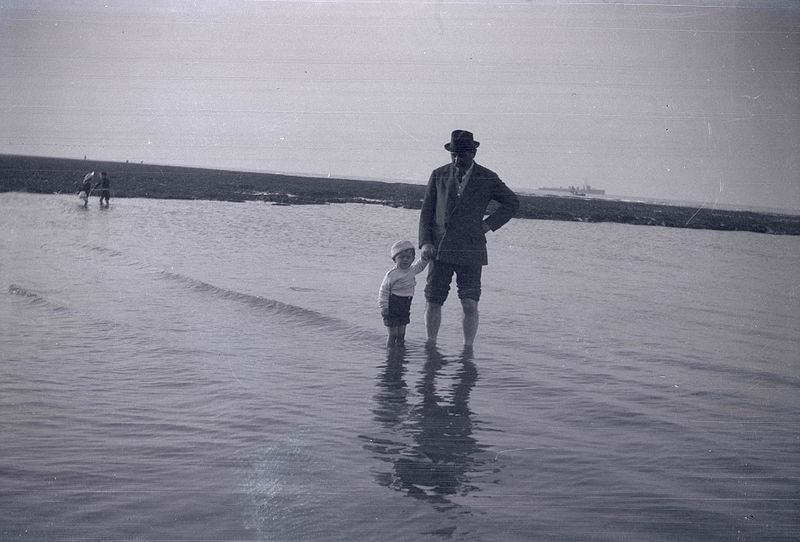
(418, 266)
(383, 294)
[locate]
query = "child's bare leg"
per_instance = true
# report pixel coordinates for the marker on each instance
(393, 332)
(397, 335)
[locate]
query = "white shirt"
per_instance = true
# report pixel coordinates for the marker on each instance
(464, 180)
(400, 282)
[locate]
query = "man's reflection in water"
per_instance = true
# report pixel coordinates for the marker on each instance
(441, 453)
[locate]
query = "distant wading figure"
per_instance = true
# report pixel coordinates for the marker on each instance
(452, 231)
(86, 188)
(105, 188)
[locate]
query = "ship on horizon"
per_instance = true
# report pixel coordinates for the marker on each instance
(577, 190)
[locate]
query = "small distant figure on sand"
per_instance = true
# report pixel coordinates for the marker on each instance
(86, 188)
(453, 227)
(397, 290)
(105, 188)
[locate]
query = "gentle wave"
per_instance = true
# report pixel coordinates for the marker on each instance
(298, 315)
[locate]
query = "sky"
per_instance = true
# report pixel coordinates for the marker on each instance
(686, 100)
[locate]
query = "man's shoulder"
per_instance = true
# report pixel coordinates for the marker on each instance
(442, 170)
(482, 171)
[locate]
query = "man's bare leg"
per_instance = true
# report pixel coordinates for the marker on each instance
(470, 321)
(433, 319)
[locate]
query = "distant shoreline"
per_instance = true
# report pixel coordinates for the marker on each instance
(60, 175)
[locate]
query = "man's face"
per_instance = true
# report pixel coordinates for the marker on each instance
(463, 159)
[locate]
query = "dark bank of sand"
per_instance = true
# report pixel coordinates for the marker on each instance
(128, 180)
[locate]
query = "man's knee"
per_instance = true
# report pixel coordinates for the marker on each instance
(433, 307)
(470, 306)
(433, 299)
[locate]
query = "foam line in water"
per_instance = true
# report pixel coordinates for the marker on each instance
(34, 298)
(41, 301)
(101, 249)
(299, 315)
(277, 307)
(113, 254)
(20, 291)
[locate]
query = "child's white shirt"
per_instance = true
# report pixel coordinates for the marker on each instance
(400, 282)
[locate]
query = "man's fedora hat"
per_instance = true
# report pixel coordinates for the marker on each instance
(460, 141)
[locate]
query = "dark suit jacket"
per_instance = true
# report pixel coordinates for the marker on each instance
(453, 224)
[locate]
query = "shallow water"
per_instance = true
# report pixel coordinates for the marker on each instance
(191, 370)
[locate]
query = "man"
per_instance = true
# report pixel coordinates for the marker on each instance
(105, 188)
(452, 231)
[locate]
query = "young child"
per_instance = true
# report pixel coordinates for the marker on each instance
(397, 289)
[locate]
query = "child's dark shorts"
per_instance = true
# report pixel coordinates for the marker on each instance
(399, 313)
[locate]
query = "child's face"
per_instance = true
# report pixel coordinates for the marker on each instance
(405, 258)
